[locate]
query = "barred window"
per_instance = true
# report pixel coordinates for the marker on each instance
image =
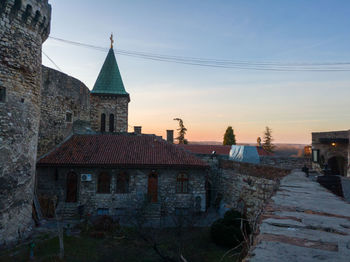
(123, 183)
(104, 183)
(182, 183)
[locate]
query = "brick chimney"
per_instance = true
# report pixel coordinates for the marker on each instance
(170, 136)
(137, 129)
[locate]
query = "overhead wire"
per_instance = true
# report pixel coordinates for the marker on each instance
(52, 62)
(223, 63)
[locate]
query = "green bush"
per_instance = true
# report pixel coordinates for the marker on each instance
(227, 231)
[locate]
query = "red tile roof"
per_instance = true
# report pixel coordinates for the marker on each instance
(207, 149)
(120, 150)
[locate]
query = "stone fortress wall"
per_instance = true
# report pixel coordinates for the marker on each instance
(285, 162)
(64, 100)
(247, 187)
(24, 26)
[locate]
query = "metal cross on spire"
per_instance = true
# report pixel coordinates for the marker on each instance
(112, 41)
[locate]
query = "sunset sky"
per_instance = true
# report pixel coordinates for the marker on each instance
(209, 99)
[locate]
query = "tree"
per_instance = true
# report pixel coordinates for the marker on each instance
(258, 140)
(229, 137)
(267, 144)
(181, 132)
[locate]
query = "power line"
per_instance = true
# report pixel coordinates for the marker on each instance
(53, 62)
(223, 63)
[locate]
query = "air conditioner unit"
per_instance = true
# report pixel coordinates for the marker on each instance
(86, 177)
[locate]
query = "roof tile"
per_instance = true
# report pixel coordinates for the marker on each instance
(125, 150)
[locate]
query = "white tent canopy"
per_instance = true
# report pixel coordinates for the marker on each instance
(248, 154)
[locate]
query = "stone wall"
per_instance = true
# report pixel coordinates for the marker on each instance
(62, 97)
(247, 187)
(328, 151)
(113, 104)
(24, 26)
(285, 162)
(52, 182)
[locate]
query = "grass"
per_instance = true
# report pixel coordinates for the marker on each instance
(197, 246)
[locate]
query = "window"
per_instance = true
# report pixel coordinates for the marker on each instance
(315, 155)
(69, 117)
(102, 211)
(2, 94)
(182, 211)
(104, 183)
(182, 183)
(122, 183)
(111, 123)
(103, 123)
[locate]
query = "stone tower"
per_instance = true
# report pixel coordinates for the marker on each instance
(24, 26)
(108, 99)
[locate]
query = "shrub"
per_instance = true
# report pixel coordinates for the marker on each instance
(227, 231)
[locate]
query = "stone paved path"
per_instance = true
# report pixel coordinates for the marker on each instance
(303, 222)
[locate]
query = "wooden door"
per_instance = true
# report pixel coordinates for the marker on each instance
(72, 187)
(153, 187)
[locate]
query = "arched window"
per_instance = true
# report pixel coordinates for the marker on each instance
(122, 183)
(182, 183)
(104, 183)
(103, 122)
(111, 123)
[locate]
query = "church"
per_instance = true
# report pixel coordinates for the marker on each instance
(88, 162)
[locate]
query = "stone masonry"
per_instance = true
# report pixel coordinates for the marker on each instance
(332, 144)
(52, 183)
(109, 104)
(64, 100)
(302, 222)
(247, 187)
(24, 26)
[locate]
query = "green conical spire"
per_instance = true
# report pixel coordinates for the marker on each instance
(109, 81)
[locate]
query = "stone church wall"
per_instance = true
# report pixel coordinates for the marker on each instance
(52, 182)
(64, 100)
(24, 26)
(117, 105)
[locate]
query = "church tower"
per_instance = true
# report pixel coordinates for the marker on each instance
(108, 99)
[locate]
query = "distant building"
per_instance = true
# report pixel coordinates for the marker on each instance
(331, 151)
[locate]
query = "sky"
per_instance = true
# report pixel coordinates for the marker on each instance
(293, 104)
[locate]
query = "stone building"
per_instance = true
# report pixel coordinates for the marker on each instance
(331, 150)
(115, 173)
(24, 26)
(104, 168)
